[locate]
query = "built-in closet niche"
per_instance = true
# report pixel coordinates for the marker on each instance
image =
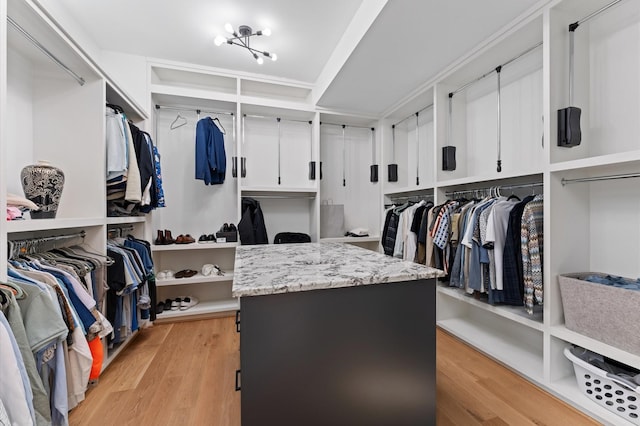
(606, 85)
(53, 116)
(191, 206)
(409, 140)
(277, 147)
(346, 155)
(472, 120)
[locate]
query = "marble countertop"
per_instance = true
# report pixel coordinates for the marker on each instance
(284, 268)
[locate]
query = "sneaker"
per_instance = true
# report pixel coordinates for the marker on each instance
(188, 302)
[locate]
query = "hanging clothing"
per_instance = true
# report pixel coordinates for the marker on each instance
(211, 160)
(532, 252)
(251, 227)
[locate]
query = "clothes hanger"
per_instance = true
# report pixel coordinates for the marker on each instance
(216, 119)
(178, 122)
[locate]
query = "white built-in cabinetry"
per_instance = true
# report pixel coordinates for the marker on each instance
(48, 114)
(588, 225)
(275, 133)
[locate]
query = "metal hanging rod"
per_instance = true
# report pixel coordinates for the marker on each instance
(197, 111)
(277, 118)
(44, 50)
(515, 58)
(410, 197)
(42, 244)
(506, 187)
(323, 123)
(598, 178)
(412, 115)
(592, 15)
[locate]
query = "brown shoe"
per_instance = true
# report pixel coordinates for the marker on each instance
(160, 240)
(168, 238)
(188, 239)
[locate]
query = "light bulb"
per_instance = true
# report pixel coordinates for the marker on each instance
(219, 40)
(260, 60)
(266, 31)
(274, 57)
(229, 28)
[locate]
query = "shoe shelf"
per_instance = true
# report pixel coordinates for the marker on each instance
(513, 313)
(201, 309)
(193, 246)
(351, 240)
(196, 279)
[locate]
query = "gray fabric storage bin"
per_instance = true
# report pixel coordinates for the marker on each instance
(605, 313)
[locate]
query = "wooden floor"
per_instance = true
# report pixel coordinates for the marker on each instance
(184, 374)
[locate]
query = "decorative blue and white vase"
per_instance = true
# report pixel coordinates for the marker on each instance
(42, 183)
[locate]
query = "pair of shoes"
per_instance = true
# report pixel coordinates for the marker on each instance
(171, 304)
(164, 238)
(185, 273)
(188, 302)
(209, 269)
(207, 238)
(165, 275)
(185, 239)
(228, 228)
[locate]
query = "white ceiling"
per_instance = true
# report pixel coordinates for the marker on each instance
(408, 43)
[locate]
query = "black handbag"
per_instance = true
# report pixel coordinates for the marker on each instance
(291, 237)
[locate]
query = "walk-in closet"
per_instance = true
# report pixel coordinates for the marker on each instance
(176, 173)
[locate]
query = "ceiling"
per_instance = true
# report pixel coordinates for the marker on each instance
(406, 45)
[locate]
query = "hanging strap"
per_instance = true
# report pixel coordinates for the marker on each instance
(499, 163)
(417, 149)
(279, 179)
(344, 157)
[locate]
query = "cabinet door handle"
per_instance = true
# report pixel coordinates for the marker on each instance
(238, 321)
(238, 380)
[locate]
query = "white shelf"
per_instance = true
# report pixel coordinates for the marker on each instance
(193, 246)
(523, 360)
(277, 103)
(125, 220)
(350, 240)
(562, 332)
(513, 313)
(196, 279)
(201, 309)
(277, 191)
(188, 92)
(529, 175)
(409, 190)
(599, 161)
(46, 224)
(567, 389)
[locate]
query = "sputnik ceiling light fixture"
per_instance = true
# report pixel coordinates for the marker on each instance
(242, 37)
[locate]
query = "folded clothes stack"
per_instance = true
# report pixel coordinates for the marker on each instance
(17, 205)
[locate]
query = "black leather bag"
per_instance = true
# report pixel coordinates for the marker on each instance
(291, 237)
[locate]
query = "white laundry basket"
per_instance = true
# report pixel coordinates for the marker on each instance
(613, 393)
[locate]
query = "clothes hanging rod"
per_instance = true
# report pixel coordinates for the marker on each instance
(575, 25)
(46, 51)
(35, 244)
(197, 111)
(598, 178)
(506, 187)
(284, 197)
(515, 58)
(412, 115)
(278, 118)
(410, 197)
(324, 123)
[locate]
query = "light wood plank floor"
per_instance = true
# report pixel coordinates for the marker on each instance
(183, 374)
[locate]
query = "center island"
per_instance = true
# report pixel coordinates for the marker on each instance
(334, 334)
